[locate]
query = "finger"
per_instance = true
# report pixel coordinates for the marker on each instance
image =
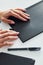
(1, 45)
(8, 43)
(11, 31)
(8, 38)
(7, 20)
(9, 34)
(21, 9)
(3, 31)
(5, 44)
(27, 14)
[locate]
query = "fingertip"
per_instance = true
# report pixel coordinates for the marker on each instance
(16, 37)
(27, 14)
(29, 18)
(10, 43)
(24, 10)
(12, 22)
(17, 32)
(21, 9)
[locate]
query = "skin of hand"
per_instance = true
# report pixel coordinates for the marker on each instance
(7, 36)
(18, 13)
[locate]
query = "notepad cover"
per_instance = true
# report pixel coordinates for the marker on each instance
(32, 27)
(7, 59)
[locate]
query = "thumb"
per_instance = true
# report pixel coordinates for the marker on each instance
(7, 20)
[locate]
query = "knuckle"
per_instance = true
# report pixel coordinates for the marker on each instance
(6, 43)
(17, 11)
(8, 34)
(8, 37)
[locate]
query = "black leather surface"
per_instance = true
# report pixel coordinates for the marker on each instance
(32, 27)
(7, 59)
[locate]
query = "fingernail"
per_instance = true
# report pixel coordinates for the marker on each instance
(28, 15)
(25, 19)
(16, 37)
(17, 32)
(12, 22)
(11, 43)
(29, 18)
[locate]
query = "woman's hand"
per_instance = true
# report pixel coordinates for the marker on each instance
(18, 13)
(6, 37)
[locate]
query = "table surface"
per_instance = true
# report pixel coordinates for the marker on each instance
(34, 42)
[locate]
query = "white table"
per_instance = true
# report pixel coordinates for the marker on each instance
(36, 41)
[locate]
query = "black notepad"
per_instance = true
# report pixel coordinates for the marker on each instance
(32, 27)
(7, 59)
